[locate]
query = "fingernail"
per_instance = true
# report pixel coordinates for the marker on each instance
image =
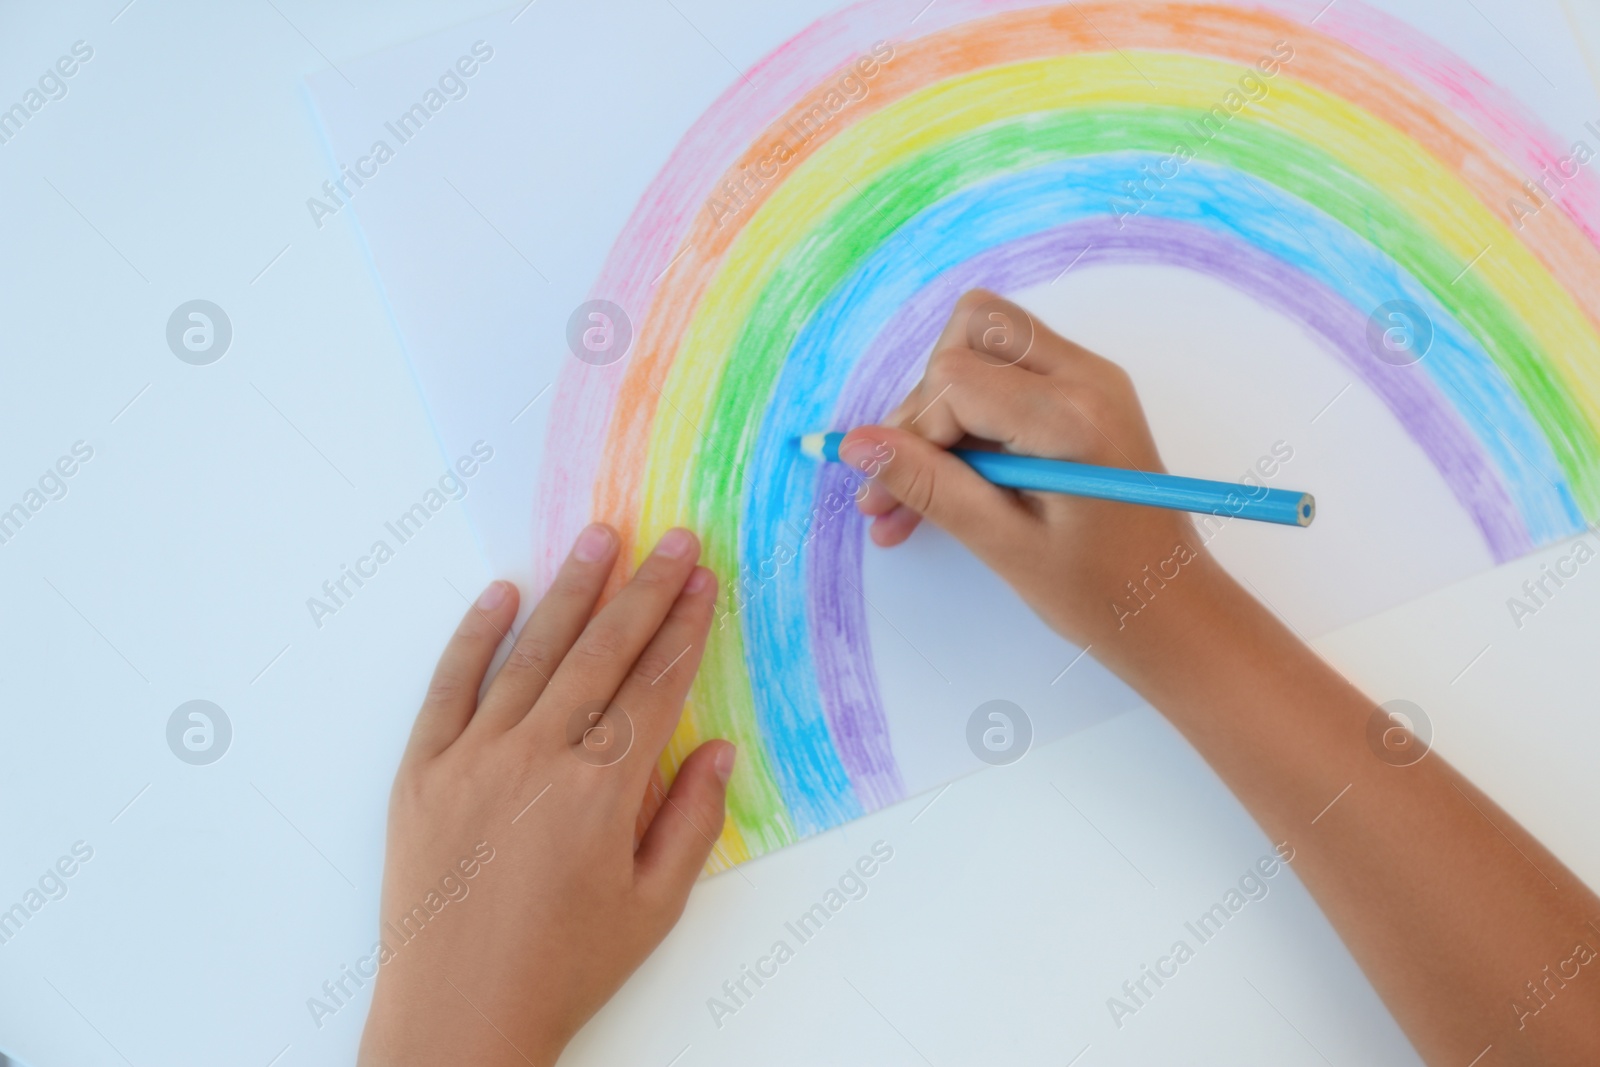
(676, 543)
(724, 765)
(494, 595)
(698, 582)
(858, 452)
(593, 544)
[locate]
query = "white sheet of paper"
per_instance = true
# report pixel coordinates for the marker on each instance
(488, 226)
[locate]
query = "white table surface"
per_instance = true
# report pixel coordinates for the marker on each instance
(219, 898)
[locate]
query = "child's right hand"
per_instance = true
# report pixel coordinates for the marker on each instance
(1447, 903)
(1070, 558)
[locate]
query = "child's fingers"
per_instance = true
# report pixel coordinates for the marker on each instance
(956, 327)
(1009, 335)
(654, 691)
(894, 526)
(453, 692)
(609, 646)
(938, 486)
(994, 329)
(965, 395)
(953, 336)
(548, 634)
(876, 501)
(1012, 407)
(682, 834)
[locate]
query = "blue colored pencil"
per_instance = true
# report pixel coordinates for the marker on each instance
(1284, 506)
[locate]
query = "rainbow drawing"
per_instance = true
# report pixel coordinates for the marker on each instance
(1323, 161)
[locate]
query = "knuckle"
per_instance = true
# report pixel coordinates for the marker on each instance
(649, 667)
(1097, 407)
(971, 300)
(1065, 394)
(882, 457)
(1116, 384)
(446, 689)
(1083, 404)
(671, 907)
(690, 610)
(653, 576)
(409, 792)
(521, 761)
(947, 364)
(918, 491)
(657, 576)
(601, 646)
(531, 654)
(571, 592)
(474, 627)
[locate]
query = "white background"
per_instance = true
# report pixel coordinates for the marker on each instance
(178, 565)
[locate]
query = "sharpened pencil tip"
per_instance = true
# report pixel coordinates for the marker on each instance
(811, 444)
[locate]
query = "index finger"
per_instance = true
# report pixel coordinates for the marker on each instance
(610, 644)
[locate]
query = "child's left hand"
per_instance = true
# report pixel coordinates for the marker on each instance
(515, 898)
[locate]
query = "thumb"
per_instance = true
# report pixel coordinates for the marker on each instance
(931, 482)
(688, 823)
